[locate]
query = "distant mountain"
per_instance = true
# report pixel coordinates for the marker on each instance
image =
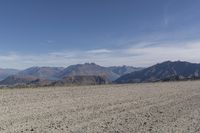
(46, 75)
(49, 73)
(91, 69)
(31, 75)
(122, 70)
(7, 72)
(88, 69)
(163, 72)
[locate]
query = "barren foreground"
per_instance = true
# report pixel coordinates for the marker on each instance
(158, 107)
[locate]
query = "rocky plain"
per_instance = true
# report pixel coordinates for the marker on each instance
(166, 107)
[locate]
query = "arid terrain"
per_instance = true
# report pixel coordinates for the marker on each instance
(149, 107)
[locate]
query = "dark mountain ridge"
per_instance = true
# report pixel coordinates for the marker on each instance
(178, 70)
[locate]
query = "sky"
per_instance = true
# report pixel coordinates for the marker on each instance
(137, 33)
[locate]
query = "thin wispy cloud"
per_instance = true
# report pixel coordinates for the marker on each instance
(166, 16)
(138, 55)
(99, 51)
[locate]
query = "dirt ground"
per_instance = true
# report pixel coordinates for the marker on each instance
(152, 107)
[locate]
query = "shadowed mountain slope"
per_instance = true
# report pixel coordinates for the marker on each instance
(16, 80)
(81, 80)
(4, 73)
(163, 72)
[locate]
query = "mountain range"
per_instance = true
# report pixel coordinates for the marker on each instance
(166, 71)
(91, 73)
(60, 75)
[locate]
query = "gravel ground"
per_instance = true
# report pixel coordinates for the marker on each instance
(151, 107)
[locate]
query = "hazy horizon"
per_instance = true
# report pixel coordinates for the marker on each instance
(136, 33)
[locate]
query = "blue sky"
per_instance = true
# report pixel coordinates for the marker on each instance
(107, 32)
